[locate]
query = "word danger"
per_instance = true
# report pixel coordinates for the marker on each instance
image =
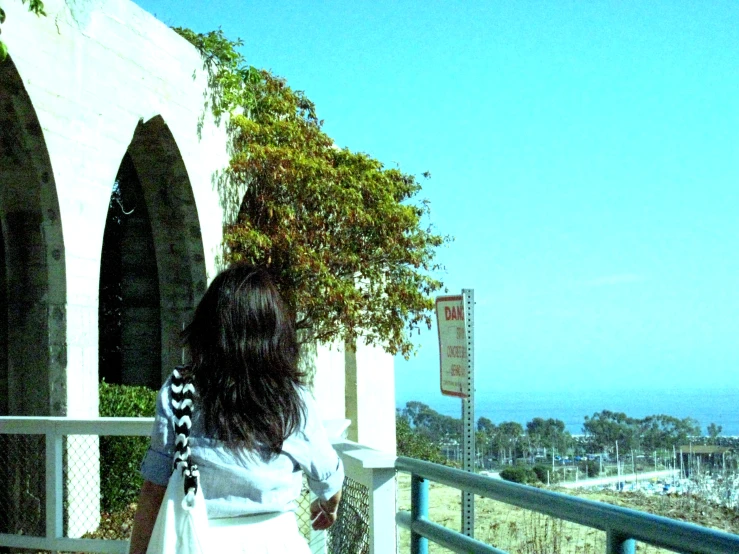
(453, 313)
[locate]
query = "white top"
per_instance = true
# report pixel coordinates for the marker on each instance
(248, 482)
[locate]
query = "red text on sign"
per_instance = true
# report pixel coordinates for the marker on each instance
(453, 313)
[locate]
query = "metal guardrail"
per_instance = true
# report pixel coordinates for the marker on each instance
(623, 526)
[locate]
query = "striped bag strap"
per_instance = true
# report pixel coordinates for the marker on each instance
(182, 394)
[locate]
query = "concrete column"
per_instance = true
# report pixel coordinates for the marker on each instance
(370, 397)
(329, 381)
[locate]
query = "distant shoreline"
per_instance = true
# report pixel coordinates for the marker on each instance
(707, 406)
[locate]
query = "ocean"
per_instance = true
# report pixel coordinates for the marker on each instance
(719, 406)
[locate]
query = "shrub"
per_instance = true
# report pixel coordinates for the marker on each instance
(520, 474)
(541, 473)
(120, 457)
(591, 468)
(414, 444)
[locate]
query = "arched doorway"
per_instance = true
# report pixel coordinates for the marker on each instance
(33, 350)
(34, 362)
(152, 263)
(128, 313)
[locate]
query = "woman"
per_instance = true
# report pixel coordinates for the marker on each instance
(255, 429)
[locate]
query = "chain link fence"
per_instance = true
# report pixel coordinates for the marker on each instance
(81, 478)
(92, 490)
(22, 485)
(350, 533)
(302, 514)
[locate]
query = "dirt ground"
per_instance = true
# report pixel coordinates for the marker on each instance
(519, 531)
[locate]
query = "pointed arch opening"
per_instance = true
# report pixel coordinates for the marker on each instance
(33, 360)
(152, 264)
(33, 344)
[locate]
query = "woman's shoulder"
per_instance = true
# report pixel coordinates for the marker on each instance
(164, 396)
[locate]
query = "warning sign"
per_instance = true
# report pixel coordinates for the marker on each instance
(452, 345)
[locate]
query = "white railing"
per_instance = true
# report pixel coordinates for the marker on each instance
(369, 468)
(85, 485)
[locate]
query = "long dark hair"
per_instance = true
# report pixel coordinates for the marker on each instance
(244, 360)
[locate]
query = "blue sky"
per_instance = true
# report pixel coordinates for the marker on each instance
(584, 155)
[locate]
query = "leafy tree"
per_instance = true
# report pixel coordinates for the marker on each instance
(426, 421)
(415, 445)
(508, 439)
(654, 432)
(343, 235)
(549, 433)
(34, 6)
(714, 431)
(664, 431)
(607, 428)
(486, 426)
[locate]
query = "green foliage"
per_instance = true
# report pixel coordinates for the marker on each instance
(120, 457)
(714, 431)
(230, 80)
(520, 474)
(543, 473)
(415, 445)
(343, 236)
(34, 6)
(607, 428)
(431, 424)
(664, 431)
(591, 468)
(485, 425)
(549, 433)
(654, 432)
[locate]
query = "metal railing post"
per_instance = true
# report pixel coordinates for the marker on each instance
(419, 510)
(618, 543)
(54, 485)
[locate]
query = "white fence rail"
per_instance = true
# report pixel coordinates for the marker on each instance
(73, 466)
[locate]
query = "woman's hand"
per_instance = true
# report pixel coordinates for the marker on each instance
(323, 512)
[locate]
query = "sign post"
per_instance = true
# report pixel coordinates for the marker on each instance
(455, 322)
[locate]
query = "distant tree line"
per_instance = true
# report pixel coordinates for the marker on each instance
(656, 432)
(425, 433)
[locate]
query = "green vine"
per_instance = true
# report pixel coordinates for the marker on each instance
(231, 81)
(343, 236)
(34, 6)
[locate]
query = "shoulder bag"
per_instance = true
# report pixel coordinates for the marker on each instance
(182, 523)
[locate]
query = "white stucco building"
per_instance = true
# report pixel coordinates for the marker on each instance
(99, 92)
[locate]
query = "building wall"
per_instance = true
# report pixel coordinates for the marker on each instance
(104, 79)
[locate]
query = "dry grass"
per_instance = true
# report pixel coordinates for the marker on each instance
(521, 531)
